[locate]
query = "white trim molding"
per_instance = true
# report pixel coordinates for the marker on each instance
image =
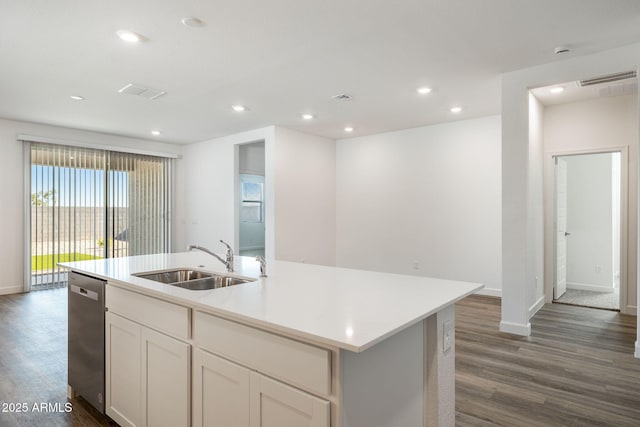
(11, 290)
(631, 310)
(72, 143)
(536, 306)
(590, 287)
(515, 328)
(491, 292)
(637, 353)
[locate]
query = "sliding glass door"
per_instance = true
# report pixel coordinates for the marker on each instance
(90, 204)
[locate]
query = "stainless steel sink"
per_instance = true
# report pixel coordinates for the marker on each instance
(194, 280)
(213, 282)
(174, 276)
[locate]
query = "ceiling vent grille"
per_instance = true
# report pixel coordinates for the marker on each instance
(342, 97)
(607, 79)
(145, 92)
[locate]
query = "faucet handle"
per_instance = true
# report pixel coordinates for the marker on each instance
(229, 248)
(229, 261)
(263, 265)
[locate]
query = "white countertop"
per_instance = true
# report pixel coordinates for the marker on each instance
(345, 308)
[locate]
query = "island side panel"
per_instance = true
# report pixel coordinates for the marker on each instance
(439, 371)
(384, 385)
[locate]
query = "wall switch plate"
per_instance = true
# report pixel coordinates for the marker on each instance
(447, 336)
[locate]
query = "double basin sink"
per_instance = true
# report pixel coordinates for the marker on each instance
(194, 280)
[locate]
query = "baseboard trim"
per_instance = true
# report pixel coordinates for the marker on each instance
(11, 290)
(251, 248)
(536, 306)
(490, 292)
(515, 328)
(588, 287)
(637, 353)
(631, 310)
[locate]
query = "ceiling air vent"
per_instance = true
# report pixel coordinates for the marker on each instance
(608, 78)
(145, 92)
(342, 97)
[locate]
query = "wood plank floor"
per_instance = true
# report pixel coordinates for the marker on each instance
(33, 363)
(577, 368)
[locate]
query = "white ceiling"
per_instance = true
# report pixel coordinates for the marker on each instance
(282, 58)
(573, 92)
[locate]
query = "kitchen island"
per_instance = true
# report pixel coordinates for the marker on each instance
(307, 345)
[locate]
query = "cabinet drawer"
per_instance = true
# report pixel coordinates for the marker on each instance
(154, 313)
(291, 361)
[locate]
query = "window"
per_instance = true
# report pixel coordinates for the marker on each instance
(90, 204)
(251, 198)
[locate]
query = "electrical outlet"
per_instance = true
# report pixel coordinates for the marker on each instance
(598, 269)
(447, 336)
(416, 265)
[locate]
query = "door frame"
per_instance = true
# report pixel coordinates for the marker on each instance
(550, 221)
(556, 231)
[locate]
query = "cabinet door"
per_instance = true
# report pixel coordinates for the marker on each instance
(274, 404)
(165, 380)
(220, 392)
(122, 370)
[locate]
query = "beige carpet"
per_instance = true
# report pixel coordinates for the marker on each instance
(606, 300)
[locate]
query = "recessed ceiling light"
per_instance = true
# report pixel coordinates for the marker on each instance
(77, 97)
(129, 36)
(455, 109)
(307, 116)
(424, 90)
(348, 129)
(156, 133)
(238, 108)
(192, 21)
(558, 89)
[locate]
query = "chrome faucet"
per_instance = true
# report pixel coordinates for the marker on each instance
(228, 262)
(263, 265)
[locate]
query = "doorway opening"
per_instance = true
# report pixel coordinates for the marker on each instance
(587, 229)
(251, 199)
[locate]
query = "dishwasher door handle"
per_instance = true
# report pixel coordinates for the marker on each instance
(84, 292)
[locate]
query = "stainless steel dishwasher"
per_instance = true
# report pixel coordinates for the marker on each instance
(86, 338)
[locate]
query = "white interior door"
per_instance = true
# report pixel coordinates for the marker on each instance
(561, 229)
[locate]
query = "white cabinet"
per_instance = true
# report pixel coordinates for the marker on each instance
(148, 373)
(123, 371)
(165, 380)
(226, 394)
(220, 392)
(274, 404)
(302, 365)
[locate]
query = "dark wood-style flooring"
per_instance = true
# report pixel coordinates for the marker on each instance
(576, 369)
(33, 363)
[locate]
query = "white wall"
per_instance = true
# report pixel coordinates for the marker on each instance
(597, 124)
(516, 211)
(429, 195)
(589, 220)
(206, 200)
(305, 197)
(252, 158)
(12, 189)
(300, 194)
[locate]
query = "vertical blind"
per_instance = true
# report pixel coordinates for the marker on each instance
(91, 204)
